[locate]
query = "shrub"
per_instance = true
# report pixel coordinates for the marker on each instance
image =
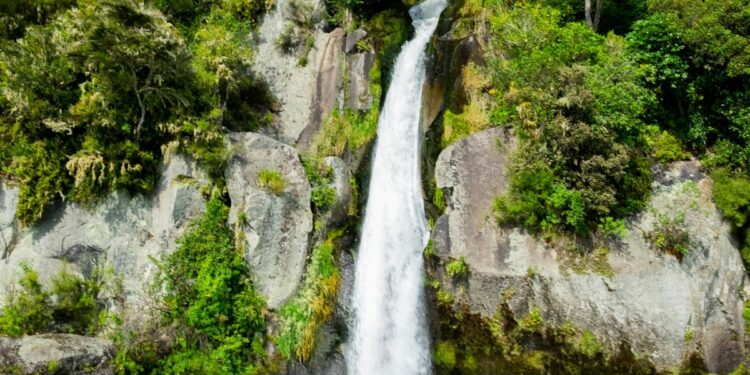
(215, 317)
(70, 306)
(670, 236)
(323, 195)
(667, 148)
(272, 181)
(457, 268)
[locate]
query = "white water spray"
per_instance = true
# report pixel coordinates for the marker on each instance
(389, 331)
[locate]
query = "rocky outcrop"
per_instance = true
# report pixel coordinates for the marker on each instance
(360, 97)
(291, 82)
(122, 232)
(664, 308)
(56, 354)
(276, 226)
(326, 83)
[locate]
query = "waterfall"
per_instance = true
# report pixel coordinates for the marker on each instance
(389, 328)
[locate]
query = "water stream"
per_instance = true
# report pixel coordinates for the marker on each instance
(389, 329)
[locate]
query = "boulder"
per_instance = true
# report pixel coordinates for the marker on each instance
(664, 308)
(360, 98)
(56, 353)
(122, 232)
(276, 226)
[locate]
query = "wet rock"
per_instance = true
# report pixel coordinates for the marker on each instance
(56, 353)
(648, 299)
(276, 227)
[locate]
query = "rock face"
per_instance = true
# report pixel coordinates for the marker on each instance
(291, 83)
(360, 97)
(327, 82)
(121, 232)
(8, 204)
(276, 227)
(56, 353)
(663, 308)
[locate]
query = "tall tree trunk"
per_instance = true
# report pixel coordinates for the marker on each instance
(593, 22)
(598, 15)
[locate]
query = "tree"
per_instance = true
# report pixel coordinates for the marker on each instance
(132, 48)
(593, 23)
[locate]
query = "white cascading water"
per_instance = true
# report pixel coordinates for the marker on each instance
(389, 329)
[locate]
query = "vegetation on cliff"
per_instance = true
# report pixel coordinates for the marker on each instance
(96, 93)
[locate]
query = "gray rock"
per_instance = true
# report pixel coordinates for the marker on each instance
(327, 82)
(8, 204)
(353, 38)
(122, 232)
(651, 301)
(276, 228)
(342, 185)
(292, 84)
(360, 97)
(68, 354)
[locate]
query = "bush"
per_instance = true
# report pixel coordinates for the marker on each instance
(323, 196)
(71, 306)
(577, 103)
(272, 181)
(670, 236)
(667, 148)
(215, 318)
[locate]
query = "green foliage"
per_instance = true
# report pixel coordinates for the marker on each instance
(438, 199)
(699, 62)
(216, 318)
(457, 268)
(670, 236)
(323, 195)
(70, 306)
(445, 355)
(731, 192)
(93, 96)
(312, 307)
(667, 148)
(272, 181)
(577, 102)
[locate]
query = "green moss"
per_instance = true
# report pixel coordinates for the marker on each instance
(457, 268)
(527, 345)
(445, 355)
(438, 200)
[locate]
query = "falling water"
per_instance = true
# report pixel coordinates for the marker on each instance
(389, 331)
